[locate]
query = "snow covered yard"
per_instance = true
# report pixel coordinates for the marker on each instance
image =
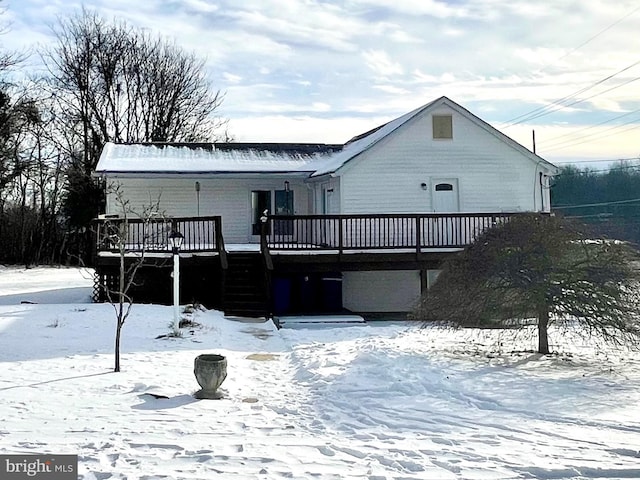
(379, 401)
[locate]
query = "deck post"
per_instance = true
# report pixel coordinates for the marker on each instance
(340, 235)
(264, 244)
(222, 251)
(418, 236)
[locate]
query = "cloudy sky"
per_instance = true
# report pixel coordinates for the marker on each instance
(325, 70)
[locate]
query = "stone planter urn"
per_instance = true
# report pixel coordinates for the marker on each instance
(210, 370)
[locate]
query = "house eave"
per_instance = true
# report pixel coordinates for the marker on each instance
(201, 174)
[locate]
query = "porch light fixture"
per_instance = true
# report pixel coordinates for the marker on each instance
(176, 239)
(286, 185)
(423, 186)
(197, 185)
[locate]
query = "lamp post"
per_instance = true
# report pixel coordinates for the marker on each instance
(176, 239)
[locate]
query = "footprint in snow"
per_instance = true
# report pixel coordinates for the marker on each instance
(326, 450)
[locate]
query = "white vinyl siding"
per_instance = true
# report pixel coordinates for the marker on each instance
(381, 291)
(230, 198)
(327, 196)
(492, 175)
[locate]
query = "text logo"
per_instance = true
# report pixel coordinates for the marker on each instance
(39, 467)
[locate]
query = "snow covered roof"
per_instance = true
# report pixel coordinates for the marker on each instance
(202, 158)
(307, 159)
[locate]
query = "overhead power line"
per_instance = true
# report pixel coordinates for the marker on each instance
(601, 170)
(521, 118)
(599, 160)
(592, 138)
(553, 140)
(580, 100)
(589, 40)
(565, 101)
(597, 204)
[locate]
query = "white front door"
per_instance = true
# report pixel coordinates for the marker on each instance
(445, 231)
(445, 195)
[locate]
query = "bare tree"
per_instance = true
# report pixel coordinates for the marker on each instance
(115, 83)
(7, 59)
(543, 268)
(32, 167)
(131, 250)
(120, 84)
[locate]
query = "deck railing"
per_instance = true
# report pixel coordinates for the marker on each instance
(365, 232)
(374, 232)
(201, 234)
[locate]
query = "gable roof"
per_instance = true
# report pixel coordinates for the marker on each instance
(311, 159)
(361, 143)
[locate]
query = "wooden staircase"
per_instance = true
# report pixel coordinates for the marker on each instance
(245, 285)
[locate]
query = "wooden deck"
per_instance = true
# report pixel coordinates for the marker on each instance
(201, 234)
(239, 279)
(303, 234)
(377, 233)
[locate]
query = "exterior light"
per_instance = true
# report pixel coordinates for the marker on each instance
(286, 185)
(176, 239)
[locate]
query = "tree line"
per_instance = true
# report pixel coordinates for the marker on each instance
(607, 200)
(104, 81)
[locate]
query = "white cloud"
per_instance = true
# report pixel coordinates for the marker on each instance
(392, 89)
(321, 107)
(567, 143)
(279, 128)
(320, 28)
(331, 63)
(381, 64)
(434, 8)
(201, 5)
(231, 78)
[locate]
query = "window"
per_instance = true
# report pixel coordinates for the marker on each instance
(284, 202)
(284, 206)
(442, 127)
(260, 201)
(444, 187)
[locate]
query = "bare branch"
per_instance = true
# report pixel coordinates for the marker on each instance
(117, 234)
(546, 269)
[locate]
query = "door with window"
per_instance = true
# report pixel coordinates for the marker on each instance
(260, 203)
(326, 227)
(445, 199)
(276, 202)
(445, 195)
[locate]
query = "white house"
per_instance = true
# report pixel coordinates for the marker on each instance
(379, 212)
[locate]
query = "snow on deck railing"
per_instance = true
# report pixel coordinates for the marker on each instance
(201, 234)
(365, 232)
(374, 232)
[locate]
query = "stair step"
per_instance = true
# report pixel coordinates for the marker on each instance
(247, 308)
(244, 296)
(245, 313)
(244, 282)
(244, 287)
(247, 279)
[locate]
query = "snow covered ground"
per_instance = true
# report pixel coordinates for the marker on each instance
(373, 402)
